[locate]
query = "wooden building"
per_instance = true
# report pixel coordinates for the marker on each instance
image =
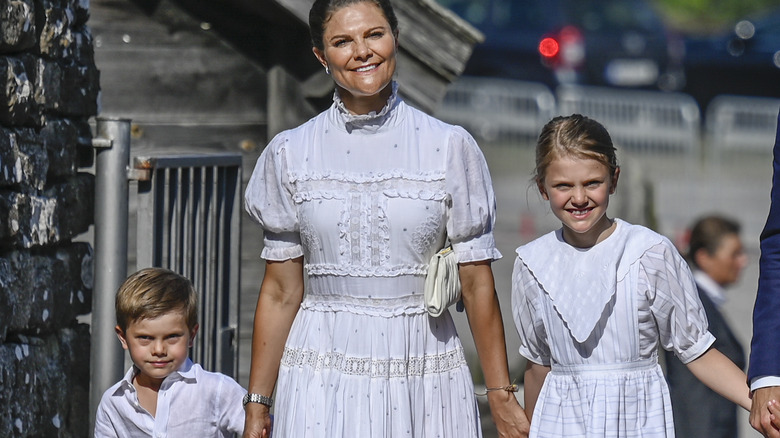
(229, 74)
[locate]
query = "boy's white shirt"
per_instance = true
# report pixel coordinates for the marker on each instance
(191, 403)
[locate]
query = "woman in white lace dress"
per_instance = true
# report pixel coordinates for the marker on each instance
(356, 201)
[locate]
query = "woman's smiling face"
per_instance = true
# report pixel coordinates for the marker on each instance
(360, 52)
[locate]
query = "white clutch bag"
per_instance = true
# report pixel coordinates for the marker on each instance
(442, 283)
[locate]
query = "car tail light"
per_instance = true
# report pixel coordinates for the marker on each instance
(565, 48)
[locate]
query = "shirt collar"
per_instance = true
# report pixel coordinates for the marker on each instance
(713, 290)
(371, 121)
(186, 372)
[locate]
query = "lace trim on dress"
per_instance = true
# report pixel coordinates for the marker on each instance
(365, 366)
(425, 234)
(387, 177)
(285, 253)
(402, 188)
(384, 307)
(381, 250)
(309, 237)
(365, 271)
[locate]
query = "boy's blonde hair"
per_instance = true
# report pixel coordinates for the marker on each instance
(152, 292)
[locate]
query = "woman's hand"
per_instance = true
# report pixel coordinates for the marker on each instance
(258, 421)
(508, 415)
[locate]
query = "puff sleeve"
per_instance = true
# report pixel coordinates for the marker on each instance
(471, 212)
(527, 315)
(674, 303)
(268, 200)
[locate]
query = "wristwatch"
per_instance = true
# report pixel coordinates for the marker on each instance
(257, 398)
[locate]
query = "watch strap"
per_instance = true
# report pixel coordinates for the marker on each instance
(258, 398)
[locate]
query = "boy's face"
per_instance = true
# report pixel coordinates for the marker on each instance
(157, 346)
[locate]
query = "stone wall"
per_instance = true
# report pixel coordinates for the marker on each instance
(48, 90)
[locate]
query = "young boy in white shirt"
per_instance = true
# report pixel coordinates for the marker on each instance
(165, 394)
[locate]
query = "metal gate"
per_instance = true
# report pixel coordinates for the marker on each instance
(189, 222)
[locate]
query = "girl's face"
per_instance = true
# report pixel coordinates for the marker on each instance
(578, 190)
(359, 49)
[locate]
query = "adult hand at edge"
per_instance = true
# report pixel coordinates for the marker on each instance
(258, 421)
(509, 417)
(760, 414)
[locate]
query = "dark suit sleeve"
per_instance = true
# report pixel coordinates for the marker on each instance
(765, 346)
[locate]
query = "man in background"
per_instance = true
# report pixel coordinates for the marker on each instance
(717, 259)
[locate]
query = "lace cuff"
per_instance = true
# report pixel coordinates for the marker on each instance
(281, 246)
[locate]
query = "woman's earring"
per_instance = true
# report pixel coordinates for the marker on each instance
(327, 70)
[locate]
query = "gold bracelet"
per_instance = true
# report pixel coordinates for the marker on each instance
(508, 388)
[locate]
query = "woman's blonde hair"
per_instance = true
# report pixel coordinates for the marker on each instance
(152, 292)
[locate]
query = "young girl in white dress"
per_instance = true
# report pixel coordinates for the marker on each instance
(593, 301)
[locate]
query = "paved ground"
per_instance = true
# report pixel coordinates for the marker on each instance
(682, 188)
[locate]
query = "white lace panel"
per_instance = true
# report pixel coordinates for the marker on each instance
(364, 366)
(366, 213)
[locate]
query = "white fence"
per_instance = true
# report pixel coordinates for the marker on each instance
(498, 109)
(641, 121)
(745, 124)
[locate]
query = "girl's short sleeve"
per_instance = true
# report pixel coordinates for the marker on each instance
(268, 200)
(472, 209)
(527, 315)
(674, 302)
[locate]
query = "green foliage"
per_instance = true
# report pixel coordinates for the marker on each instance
(708, 16)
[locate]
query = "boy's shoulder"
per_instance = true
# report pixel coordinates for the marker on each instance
(198, 375)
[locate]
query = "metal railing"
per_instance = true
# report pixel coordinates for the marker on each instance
(744, 124)
(189, 222)
(642, 121)
(498, 109)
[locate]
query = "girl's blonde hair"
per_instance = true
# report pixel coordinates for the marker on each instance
(152, 292)
(573, 136)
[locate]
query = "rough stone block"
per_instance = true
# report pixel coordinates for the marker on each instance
(82, 49)
(54, 23)
(81, 7)
(44, 291)
(16, 90)
(44, 385)
(48, 82)
(79, 92)
(17, 25)
(23, 159)
(48, 218)
(60, 138)
(63, 31)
